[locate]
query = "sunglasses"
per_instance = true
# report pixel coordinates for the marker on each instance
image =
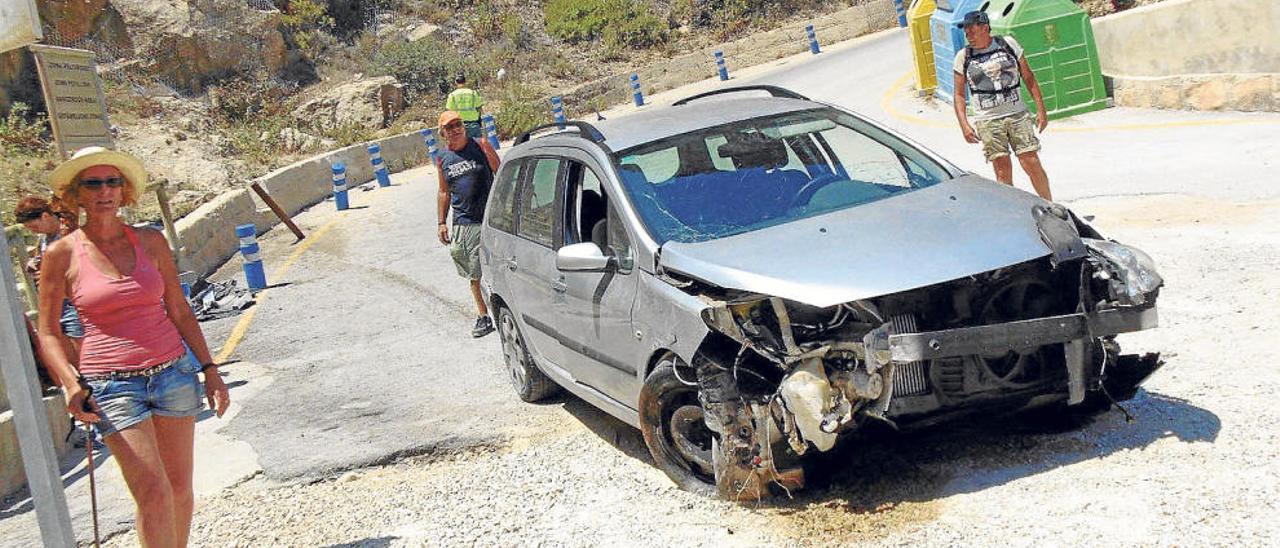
(31, 216)
(452, 126)
(95, 184)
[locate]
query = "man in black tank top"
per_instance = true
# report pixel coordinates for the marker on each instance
(465, 169)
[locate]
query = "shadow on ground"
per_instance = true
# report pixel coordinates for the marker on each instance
(379, 542)
(883, 469)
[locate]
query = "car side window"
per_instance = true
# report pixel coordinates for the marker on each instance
(502, 215)
(537, 202)
(590, 215)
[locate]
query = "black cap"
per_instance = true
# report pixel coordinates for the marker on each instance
(975, 18)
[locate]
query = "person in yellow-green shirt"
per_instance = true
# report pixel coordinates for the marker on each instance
(467, 103)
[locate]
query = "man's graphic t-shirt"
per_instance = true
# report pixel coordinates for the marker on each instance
(995, 76)
(468, 175)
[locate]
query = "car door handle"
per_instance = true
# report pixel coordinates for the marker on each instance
(511, 264)
(559, 286)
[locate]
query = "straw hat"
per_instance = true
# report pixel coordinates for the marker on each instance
(87, 157)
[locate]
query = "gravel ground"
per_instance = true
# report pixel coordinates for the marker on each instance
(1197, 467)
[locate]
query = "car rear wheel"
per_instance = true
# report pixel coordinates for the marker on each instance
(671, 419)
(531, 384)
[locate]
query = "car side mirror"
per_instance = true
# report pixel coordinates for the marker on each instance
(583, 257)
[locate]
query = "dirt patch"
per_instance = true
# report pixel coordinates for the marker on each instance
(1174, 209)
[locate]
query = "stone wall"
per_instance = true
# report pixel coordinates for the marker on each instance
(12, 474)
(1194, 54)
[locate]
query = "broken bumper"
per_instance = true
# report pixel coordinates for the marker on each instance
(1020, 335)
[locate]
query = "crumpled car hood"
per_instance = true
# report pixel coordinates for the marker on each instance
(950, 230)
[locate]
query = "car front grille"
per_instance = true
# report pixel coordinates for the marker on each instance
(910, 379)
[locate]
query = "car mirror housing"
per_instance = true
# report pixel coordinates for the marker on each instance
(583, 257)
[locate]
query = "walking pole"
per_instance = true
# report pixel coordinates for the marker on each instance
(93, 487)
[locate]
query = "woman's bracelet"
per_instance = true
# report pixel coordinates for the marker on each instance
(206, 366)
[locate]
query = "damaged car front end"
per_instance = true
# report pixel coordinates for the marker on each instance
(779, 378)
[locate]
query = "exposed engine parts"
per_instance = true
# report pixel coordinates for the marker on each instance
(779, 379)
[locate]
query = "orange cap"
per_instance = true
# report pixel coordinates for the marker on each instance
(449, 116)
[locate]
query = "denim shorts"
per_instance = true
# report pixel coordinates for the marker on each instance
(70, 321)
(173, 392)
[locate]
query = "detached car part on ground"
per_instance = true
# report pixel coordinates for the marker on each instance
(754, 279)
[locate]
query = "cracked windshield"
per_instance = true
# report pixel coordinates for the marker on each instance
(767, 171)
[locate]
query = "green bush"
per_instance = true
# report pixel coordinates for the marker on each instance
(521, 108)
(638, 30)
(302, 20)
(248, 98)
(425, 67)
(20, 131)
(620, 23)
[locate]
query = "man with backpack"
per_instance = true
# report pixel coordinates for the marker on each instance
(993, 69)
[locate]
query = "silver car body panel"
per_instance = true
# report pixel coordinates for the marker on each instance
(625, 132)
(900, 243)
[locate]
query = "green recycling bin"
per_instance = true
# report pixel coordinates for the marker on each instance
(1058, 42)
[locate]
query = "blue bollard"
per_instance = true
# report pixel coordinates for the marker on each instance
(557, 110)
(379, 168)
(902, 12)
(490, 130)
(429, 137)
(813, 39)
(636, 95)
(340, 185)
(724, 71)
(254, 275)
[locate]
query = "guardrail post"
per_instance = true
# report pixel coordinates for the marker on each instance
(490, 130)
(813, 39)
(379, 168)
(557, 110)
(35, 439)
(340, 185)
(254, 275)
(720, 67)
(429, 137)
(636, 94)
(902, 12)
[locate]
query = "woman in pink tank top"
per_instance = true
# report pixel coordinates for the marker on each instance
(135, 382)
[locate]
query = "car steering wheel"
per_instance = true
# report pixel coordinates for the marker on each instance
(806, 192)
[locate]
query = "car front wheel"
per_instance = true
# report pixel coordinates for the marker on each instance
(671, 419)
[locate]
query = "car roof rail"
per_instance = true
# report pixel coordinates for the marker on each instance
(586, 130)
(772, 90)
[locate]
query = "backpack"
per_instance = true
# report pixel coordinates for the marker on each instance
(1001, 46)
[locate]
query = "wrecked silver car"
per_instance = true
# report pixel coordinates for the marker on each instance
(750, 279)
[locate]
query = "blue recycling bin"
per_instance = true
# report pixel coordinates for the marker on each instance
(948, 38)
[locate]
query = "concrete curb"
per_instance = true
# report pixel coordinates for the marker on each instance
(1242, 92)
(208, 233)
